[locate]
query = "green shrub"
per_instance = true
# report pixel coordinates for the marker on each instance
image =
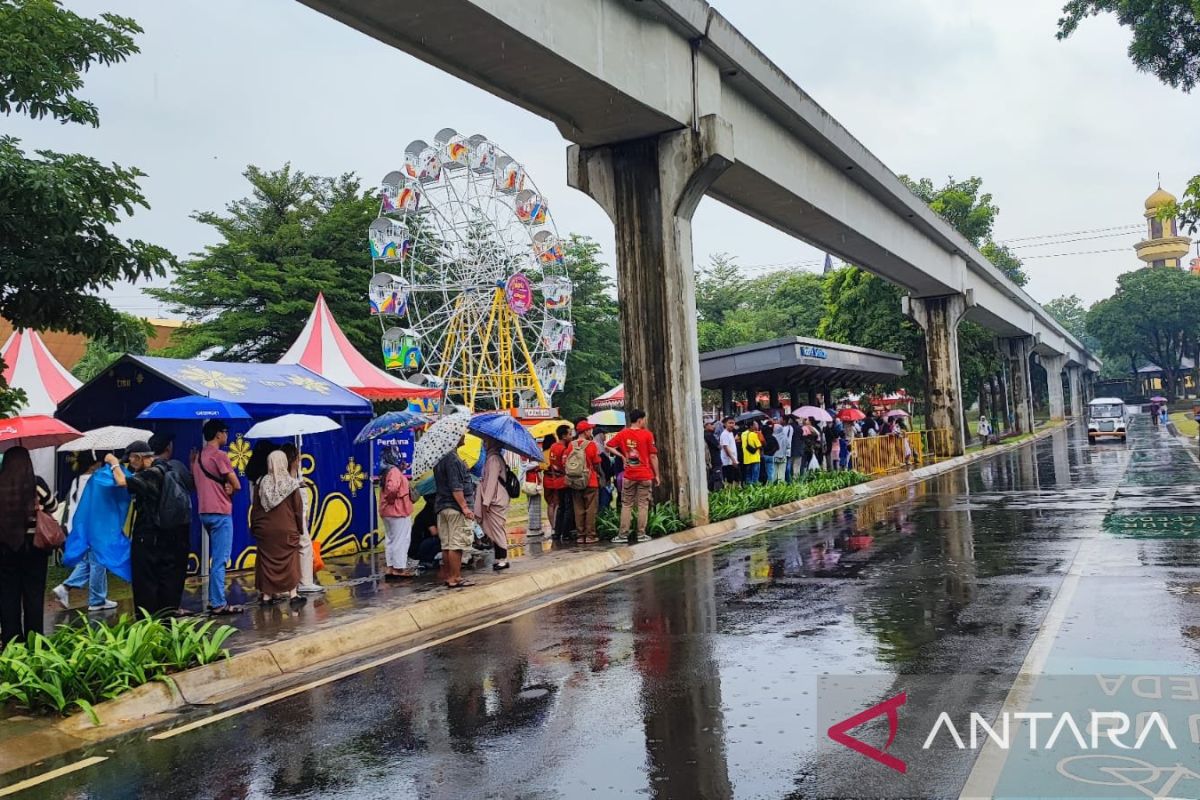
(738, 500)
(664, 519)
(80, 665)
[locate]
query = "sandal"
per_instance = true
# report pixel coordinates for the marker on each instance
(459, 585)
(298, 600)
(226, 611)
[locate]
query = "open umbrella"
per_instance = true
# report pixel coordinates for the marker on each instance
(608, 418)
(389, 423)
(816, 412)
(442, 437)
(35, 431)
(895, 412)
(292, 425)
(749, 415)
(110, 437)
(547, 427)
(193, 407)
(851, 415)
(1158, 399)
(509, 432)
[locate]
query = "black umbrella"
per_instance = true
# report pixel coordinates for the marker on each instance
(749, 415)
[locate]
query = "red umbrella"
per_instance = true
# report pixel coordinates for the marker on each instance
(35, 431)
(851, 415)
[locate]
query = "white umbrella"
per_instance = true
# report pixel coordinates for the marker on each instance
(291, 425)
(110, 437)
(441, 438)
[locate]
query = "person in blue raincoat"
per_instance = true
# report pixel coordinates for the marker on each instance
(98, 526)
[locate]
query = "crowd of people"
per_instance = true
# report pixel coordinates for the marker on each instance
(130, 513)
(765, 449)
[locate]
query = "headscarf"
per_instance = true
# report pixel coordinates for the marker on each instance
(278, 483)
(391, 456)
(18, 492)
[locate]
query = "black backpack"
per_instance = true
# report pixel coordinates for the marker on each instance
(771, 446)
(174, 504)
(512, 484)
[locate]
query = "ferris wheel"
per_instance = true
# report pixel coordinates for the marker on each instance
(470, 284)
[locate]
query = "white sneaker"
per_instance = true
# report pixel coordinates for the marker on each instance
(62, 596)
(310, 588)
(107, 605)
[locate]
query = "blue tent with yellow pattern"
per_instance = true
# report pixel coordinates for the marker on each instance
(335, 470)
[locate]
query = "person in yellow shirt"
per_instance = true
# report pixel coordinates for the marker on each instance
(752, 443)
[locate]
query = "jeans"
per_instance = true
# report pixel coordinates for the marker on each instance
(769, 463)
(220, 547)
(90, 573)
(750, 472)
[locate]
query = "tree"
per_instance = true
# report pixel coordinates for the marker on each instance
(56, 245)
(1166, 43)
(734, 309)
(1070, 313)
(959, 203)
(248, 296)
(594, 365)
(129, 334)
(1154, 315)
(1166, 34)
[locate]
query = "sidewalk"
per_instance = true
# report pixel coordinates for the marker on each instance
(354, 589)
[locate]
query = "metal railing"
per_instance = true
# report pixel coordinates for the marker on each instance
(879, 455)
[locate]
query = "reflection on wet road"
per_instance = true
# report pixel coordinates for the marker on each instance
(699, 679)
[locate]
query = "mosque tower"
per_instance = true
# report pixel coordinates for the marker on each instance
(1163, 247)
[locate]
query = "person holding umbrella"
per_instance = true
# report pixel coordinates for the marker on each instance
(491, 501)
(454, 503)
(395, 508)
(22, 566)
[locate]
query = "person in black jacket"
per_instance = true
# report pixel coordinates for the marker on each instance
(158, 555)
(22, 566)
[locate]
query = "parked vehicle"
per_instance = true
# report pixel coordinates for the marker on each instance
(1107, 417)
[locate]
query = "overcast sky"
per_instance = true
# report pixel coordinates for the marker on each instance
(1067, 136)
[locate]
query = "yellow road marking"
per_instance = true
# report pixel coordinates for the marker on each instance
(51, 775)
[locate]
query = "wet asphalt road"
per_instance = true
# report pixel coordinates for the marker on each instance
(717, 676)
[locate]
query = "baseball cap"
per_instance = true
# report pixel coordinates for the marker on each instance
(138, 448)
(584, 426)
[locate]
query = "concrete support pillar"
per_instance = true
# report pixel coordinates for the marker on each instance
(939, 318)
(774, 401)
(1018, 368)
(650, 188)
(726, 400)
(1089, 387)
(1074, 382)
(1054, 366)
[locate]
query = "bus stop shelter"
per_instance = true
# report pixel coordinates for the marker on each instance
(804, 370)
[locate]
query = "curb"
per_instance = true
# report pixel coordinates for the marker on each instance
(243, 673)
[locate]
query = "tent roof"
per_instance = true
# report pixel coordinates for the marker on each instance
(255, 385)
(29, 366)
(324, 348)
(613, 398)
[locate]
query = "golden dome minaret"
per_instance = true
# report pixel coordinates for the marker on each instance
(1163, 247)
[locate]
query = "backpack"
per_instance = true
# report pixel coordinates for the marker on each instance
(174, 504)
(512, 484)
(772, 445)
(577, 468)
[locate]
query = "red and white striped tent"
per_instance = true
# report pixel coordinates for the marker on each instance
(29, 366)
(324, 348)
(613, 398)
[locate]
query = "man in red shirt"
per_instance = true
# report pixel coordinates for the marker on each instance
(636, 446)
(555, 481)
(587, 500)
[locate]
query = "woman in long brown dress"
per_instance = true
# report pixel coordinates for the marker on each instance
(276, 521)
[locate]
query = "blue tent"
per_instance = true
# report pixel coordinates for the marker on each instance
(335, 469)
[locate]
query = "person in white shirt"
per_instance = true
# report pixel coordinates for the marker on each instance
(729, 453)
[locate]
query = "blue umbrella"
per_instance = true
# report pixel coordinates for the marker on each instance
(389, 423)
(508, 431)
(194, 407)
